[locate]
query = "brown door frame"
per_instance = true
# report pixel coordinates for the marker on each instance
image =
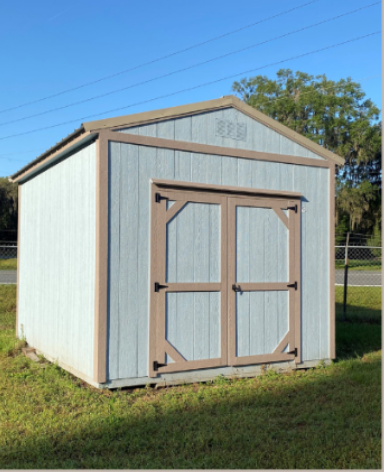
(159, 346)
(293, 337)
(181, 192)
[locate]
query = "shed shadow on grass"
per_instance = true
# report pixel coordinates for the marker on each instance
(313, 421)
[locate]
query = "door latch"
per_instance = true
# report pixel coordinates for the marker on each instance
(293, 285)
(236, 288)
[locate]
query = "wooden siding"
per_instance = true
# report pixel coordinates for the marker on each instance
(201, 128)
(261, 246)
(193, 244)
(193, 324)
(132, 167)
(262, 321)
(57, 263)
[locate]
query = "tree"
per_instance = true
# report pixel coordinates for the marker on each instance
(8, 209)
(334, 114)
(355, 201)
(375, 240)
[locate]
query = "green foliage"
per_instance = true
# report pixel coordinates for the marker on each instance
(8, 209)
(324, 418)
(355, 200)
(375, 240)
(341, 230)
(334, 114)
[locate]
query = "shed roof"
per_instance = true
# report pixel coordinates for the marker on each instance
(91, 127)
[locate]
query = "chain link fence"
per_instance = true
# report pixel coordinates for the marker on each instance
(8, 255)
(357, 277)
(358, 283)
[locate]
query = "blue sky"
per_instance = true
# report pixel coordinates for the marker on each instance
(48, 47)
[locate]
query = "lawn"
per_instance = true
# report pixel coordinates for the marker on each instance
(355, 264)
(324, 418)
(363, 304)
(8, 264)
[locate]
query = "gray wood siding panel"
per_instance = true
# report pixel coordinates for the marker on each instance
(262, 246)
(114, 257)
(262, 321)
(57, 261)
(193, 324)
(165, 164)
(201, 128)
(193, 244)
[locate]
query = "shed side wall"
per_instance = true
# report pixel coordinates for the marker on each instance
(131, 167)
(57, 263)
(202, 129)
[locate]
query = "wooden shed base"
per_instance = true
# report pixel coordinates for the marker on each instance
(206, 375)
(203, 375)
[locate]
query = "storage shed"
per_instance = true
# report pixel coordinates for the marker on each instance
(178, 245)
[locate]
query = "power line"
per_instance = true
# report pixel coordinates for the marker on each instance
(189, 67)
(193, 88)
(161, 58)
(324, 88)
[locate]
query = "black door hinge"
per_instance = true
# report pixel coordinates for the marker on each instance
(159, 286)
(156, 365)
(293, 285)
(158, 198)
(293, 352)
(293, 208)
(236, 288)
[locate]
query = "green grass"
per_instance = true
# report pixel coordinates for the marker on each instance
(363, 304)
(328, 417)
(8, 264)
(359, 264)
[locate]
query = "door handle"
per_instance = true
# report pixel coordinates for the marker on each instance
(236, 288)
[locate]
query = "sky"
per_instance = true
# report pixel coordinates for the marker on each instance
(49, 47)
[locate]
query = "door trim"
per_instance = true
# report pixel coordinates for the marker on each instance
(294, 330)
(201, 193)
(157, 340)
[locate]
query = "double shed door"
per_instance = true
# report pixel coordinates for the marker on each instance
(225, 280)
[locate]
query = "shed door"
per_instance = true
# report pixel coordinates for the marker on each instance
(188, 326)
(264, 280)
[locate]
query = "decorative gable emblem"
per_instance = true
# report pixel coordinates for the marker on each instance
(230, 129)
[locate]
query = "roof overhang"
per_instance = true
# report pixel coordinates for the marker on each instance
(91, 128)
(61, 151)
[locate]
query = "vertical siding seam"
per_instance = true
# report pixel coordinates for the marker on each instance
(118, 258)
(137, 257)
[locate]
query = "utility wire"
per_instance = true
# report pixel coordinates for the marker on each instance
(180, 51)
(189, 67)
(195, 87)
(284, 98)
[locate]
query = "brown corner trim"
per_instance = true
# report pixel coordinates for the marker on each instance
(213, 150)
(18, 256)
(225, 189)
(332, 308)
(101, 272)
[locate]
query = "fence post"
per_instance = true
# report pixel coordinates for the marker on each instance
(345, 279)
